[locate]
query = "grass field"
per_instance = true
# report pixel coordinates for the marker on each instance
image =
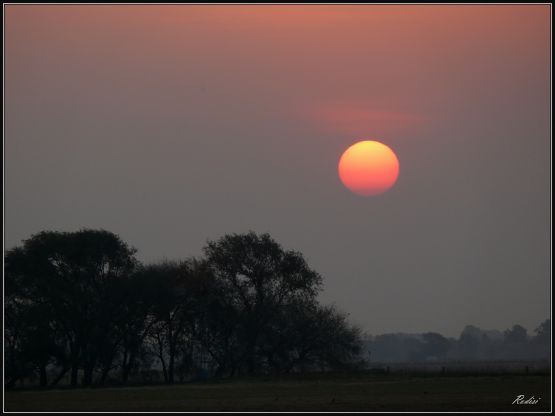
(356, 393)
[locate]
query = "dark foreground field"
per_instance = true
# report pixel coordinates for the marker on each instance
(357, 393)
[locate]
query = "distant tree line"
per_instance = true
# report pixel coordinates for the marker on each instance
(473, 344)
(80, 307)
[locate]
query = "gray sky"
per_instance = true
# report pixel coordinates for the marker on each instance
(172, 125)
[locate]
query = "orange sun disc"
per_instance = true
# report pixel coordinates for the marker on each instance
(368, 168)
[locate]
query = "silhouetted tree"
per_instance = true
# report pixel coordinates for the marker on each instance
(218, 320)
(260, 277)
(71, 277)
(308, 335)
(136, 320)
(80, 302)
(435, 345)
(177, 290)
(470, 343)
(543, 332)
(517, 335)
(30, 342)
(516, 342)
(330, 341)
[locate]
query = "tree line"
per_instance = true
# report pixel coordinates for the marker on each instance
(80, 307)
(473, 344)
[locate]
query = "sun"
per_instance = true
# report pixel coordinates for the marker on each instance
(368, 168)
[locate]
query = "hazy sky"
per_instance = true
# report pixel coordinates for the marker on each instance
(172, 125)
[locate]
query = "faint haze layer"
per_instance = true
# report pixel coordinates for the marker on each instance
(172, 125)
